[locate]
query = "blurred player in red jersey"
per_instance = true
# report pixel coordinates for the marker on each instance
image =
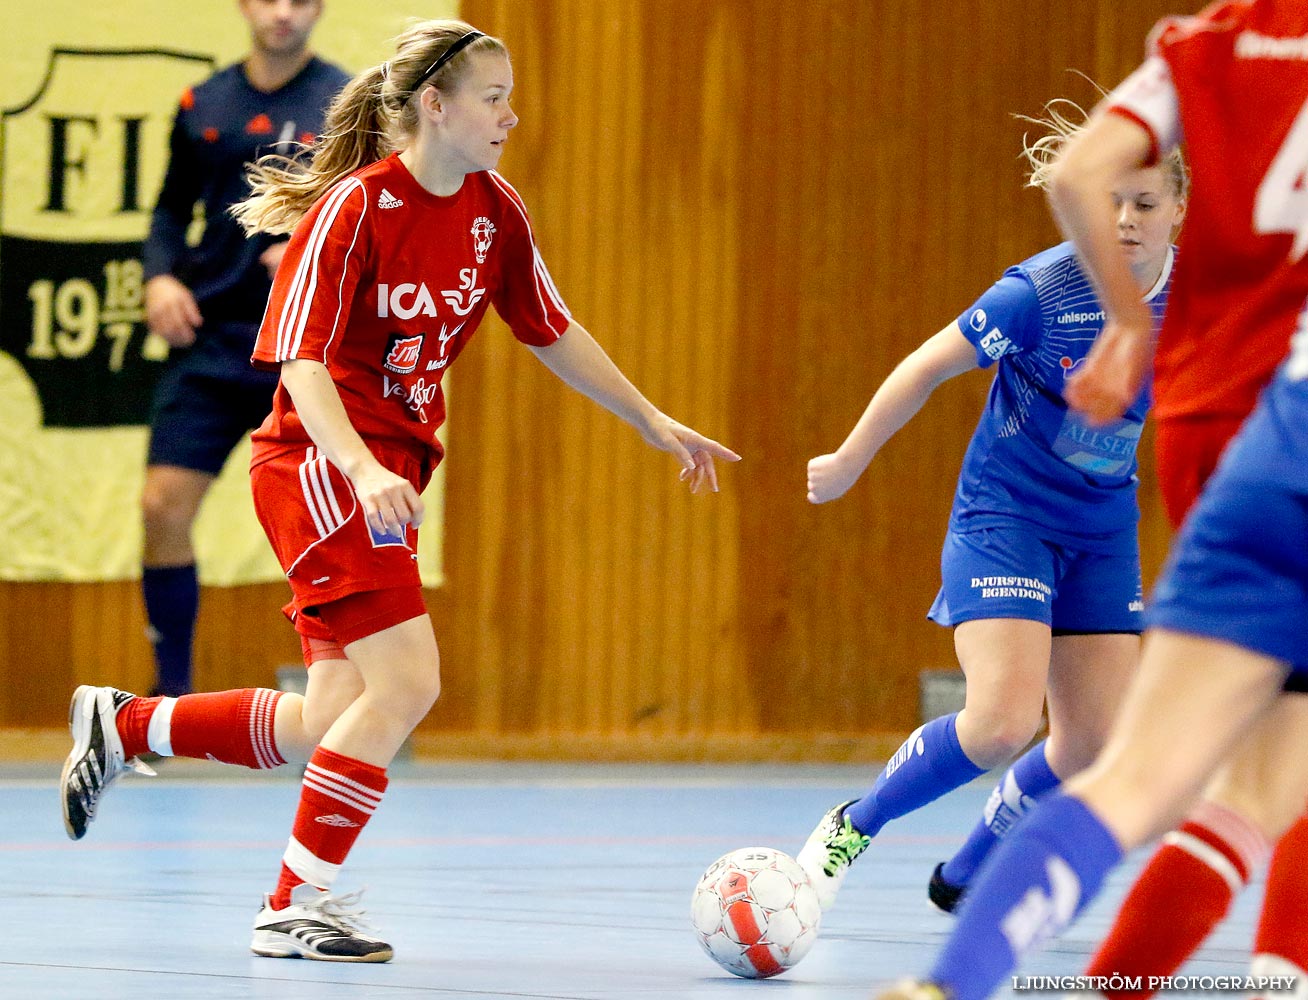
(403, 236)
(1204, 387)
(1227, 635)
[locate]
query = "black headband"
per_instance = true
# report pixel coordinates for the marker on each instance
(447, 55)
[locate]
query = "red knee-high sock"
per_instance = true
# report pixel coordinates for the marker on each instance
(234, 727)
(338, 797)
(1283, 927)
(1180, 896)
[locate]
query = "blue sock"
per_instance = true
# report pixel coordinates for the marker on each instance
(1027, 780)
(172, 601)
(1035, 883)
(929, 764)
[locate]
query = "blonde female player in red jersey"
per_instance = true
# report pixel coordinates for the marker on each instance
(404, 234)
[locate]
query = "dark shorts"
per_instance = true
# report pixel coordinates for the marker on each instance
(207, 400)
(1239, 572)
(1011, 573)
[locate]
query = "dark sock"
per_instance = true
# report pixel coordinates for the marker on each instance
(172, 601)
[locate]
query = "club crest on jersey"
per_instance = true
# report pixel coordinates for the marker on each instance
(482, 231)
(402, 353)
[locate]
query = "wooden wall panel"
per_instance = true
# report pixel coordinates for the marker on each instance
(758, 208)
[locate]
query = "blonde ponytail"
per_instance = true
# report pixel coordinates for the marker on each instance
(372, 117)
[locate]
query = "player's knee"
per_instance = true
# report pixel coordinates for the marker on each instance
(426, 690)
(1265, 805)
(412, 697)
(1074, 752)
(996, 738)
(162, 514)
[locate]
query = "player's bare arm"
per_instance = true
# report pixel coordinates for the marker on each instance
(388, 500)
(1080, 194)
(583, 365)
(904, 392)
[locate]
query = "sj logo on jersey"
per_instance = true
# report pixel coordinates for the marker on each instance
(402, 353)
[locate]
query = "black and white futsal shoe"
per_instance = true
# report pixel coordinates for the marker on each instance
(96, 760)
(319, 926)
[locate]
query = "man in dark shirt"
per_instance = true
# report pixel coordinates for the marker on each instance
(206, 300)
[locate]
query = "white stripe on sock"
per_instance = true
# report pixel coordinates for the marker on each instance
(367, 792)
(309, 866)
(262, 741)
(338, 792)
(159, 735)
(1209, 855)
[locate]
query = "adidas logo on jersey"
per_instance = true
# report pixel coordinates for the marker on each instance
(335, 819)
(388, 200)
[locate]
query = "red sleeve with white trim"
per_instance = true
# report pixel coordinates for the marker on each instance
(526, 298)
(315, 284)
(1148, 98)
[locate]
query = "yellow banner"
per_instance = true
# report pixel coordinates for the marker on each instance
(88, 97)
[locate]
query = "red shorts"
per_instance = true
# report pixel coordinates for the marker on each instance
(1186, 451)
(324, 543)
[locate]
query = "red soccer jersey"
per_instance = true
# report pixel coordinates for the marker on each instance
(384, 282)
(1230, 83)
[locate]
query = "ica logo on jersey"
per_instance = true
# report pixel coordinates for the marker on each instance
(404, 301)
(402, 353)
(407, 300)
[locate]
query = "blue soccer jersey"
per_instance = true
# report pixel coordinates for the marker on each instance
(1031, 458)
(221, 126)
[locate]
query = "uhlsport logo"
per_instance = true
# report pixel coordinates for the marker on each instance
(81, 165)
(978, 320)
(402, 353)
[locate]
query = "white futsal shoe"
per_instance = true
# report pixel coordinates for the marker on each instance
(829, 851)
(319, 926)
(96, 760)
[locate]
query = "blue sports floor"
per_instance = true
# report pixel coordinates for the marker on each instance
(490, 881)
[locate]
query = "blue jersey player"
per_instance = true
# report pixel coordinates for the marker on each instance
(1040, 567)
(1228, 623)
(207, 300)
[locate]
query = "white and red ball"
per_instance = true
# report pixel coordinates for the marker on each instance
(755, 912)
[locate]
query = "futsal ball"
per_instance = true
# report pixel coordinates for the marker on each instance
(755, 912)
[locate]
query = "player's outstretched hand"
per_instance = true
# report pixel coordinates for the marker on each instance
(1110, 378)
(389, 501)
(693, 450)
(829, 477)
(171, 311)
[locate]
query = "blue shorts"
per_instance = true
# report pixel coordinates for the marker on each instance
(1239, 569)
(206, 401)
(1011, 573)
